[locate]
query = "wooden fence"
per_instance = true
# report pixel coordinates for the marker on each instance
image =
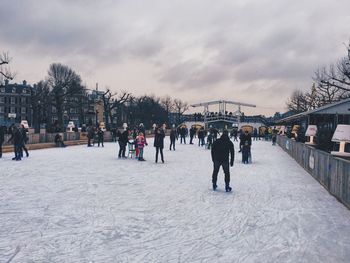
(331, 172)
(34, 138)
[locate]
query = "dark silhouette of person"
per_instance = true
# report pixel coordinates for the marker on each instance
(221, 151)
(159, 143)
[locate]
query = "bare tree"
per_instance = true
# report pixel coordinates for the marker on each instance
(168, 104)
(40, 103)
(64, 84)
(333, 83)
(5, 72)
(298, 102)
(327, 88)
(181, 107)
(113, 101)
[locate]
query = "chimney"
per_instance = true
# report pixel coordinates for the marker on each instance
(96, 86)
(6, 81)
(24, 82)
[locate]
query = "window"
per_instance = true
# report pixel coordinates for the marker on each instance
(23, 110)
(12, 110)
(2, 109)
(2, 90)
(13, 90)
(2, 99)
(13, 100)
(24, 91)
(23, 100)
(54, 109)
(72, 110)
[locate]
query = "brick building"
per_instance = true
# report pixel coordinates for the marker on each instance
(15, 103)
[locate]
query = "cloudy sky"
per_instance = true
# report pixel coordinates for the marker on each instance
(255, 51)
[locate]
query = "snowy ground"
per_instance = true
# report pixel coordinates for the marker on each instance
(82, 204)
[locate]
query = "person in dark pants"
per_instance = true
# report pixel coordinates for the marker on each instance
(24, 141)
(201, 137)
(2, 138)
(221, 151)
(183, 134)
(245, 144)
(90, 135)
(159, 143)
(173, 136)
(123, 141)
(16, 139)
(192, 133)
(100, 134)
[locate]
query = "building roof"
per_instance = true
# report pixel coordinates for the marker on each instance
(339, 107)
(15, 88)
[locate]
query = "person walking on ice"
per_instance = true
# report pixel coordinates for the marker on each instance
(100, 135)
(221, 151)
(159, 143)
(173, 136)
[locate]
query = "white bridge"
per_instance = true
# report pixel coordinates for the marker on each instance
(222, 115)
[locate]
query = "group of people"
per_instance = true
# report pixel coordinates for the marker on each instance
(200, 133)
(136, 140)
(18, 137)
(94, 134)
(222, 149)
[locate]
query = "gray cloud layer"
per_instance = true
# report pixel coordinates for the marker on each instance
(196, 49)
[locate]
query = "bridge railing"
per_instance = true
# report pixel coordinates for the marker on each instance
(331, 172)
(221, 118)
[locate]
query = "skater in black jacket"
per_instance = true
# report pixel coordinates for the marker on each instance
(221, 152)
(183, 134)
(245, 144)
(90, 135)
(159, 143)
(173, 136)
(192, 133)
(16, 139)
(123, 141)
(100, 135)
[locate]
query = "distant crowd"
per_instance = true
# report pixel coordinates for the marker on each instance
(132, 143)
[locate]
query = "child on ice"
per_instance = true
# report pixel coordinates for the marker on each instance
(140, 144)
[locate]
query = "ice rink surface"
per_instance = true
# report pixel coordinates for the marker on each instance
(81, 204)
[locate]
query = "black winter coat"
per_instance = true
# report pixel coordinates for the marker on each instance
(246, 139)
(16, 137)
(159, 140)
(222, 149)
(173, 134)
(124, 137)
(100, 134)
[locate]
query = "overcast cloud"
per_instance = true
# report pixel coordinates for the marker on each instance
(255, 51)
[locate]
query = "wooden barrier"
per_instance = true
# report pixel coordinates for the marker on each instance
(331, 172)
(46, 140)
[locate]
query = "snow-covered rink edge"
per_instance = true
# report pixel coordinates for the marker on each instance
(81, 204)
